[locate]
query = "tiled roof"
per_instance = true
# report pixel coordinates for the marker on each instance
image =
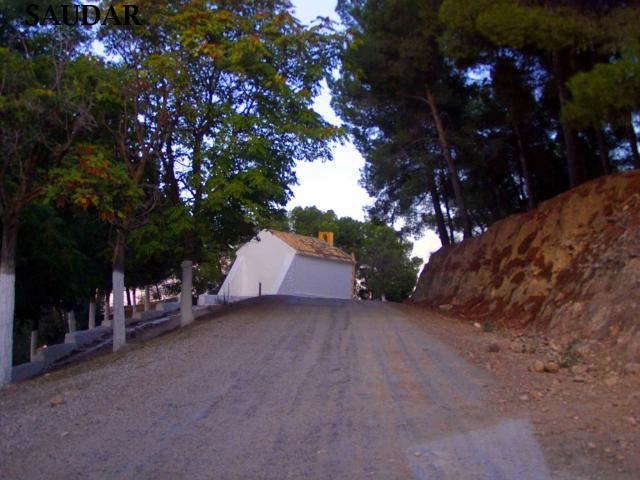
(312, 246)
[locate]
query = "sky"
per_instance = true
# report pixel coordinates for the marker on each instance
(334, 185)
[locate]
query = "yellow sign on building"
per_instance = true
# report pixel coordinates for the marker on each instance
(326, 237)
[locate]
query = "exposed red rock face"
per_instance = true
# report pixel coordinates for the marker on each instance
(571, 267)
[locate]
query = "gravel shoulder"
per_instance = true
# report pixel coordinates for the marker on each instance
(293, 388)
(586, 417)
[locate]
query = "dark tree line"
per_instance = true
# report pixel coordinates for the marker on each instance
(467, 111)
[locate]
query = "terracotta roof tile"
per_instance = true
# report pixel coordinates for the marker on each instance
(312, 246)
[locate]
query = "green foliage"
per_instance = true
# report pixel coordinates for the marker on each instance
(75, 245)
(514, 82)
(571, 355)
(609, 92)
(232, 88)
(488, 326)
(43, 109)
(386, 265)
(311, 220)
(88, 179)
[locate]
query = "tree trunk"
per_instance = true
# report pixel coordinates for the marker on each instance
(603, 151)
(197, 169)
(158, 293)
(452, 235)
(633, 143)
(437, 208)
(134, 311)
(33, 346)
(453, 171)
(531, 203)
(119, 327)
(147, 298)
(106, 320)
(7, 295)
(92, 313)
(573, 165)
(186, 302)
(128, 296)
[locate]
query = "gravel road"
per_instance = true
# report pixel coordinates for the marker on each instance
(278, 388)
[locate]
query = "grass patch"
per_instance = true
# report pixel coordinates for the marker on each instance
(571, 356)
(488, 326)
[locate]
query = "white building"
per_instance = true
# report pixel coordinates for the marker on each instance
(281, 263)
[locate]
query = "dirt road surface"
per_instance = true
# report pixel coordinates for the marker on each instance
(275, 389)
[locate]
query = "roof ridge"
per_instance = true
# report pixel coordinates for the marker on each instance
(311, 246)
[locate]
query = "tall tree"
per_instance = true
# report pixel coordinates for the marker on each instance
(566, 38)
(240, 77)
(44, 106)
(392, 55)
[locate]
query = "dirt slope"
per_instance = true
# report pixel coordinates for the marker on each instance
(570, 268)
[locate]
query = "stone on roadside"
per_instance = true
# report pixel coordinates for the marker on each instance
(611, 380)
(56, 401)
(554, 346)
(579, 369)
(631, 420)
(632, 368)
(537, 366)
(551, 367)
(477, 325)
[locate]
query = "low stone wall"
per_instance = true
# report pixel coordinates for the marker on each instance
(82, 343)
(211, 299)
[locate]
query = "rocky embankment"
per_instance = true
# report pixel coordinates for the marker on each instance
(570, 269)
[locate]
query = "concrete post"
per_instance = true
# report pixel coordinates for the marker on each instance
(106, 321)
(147, 298)
(92, 314)
(186, 307)
(134, 312)
(119, 329)
(34, 345)
(71, 320)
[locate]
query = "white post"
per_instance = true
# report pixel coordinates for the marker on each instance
(34, 344)
(186, 307)
(7, 294)
(147, 298)
(106, 320)
(92, 314)
(7, 305)
(134, 312)
(119, 329)
(71, 320)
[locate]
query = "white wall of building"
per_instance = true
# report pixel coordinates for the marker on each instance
(317, 277)
(265, 261)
